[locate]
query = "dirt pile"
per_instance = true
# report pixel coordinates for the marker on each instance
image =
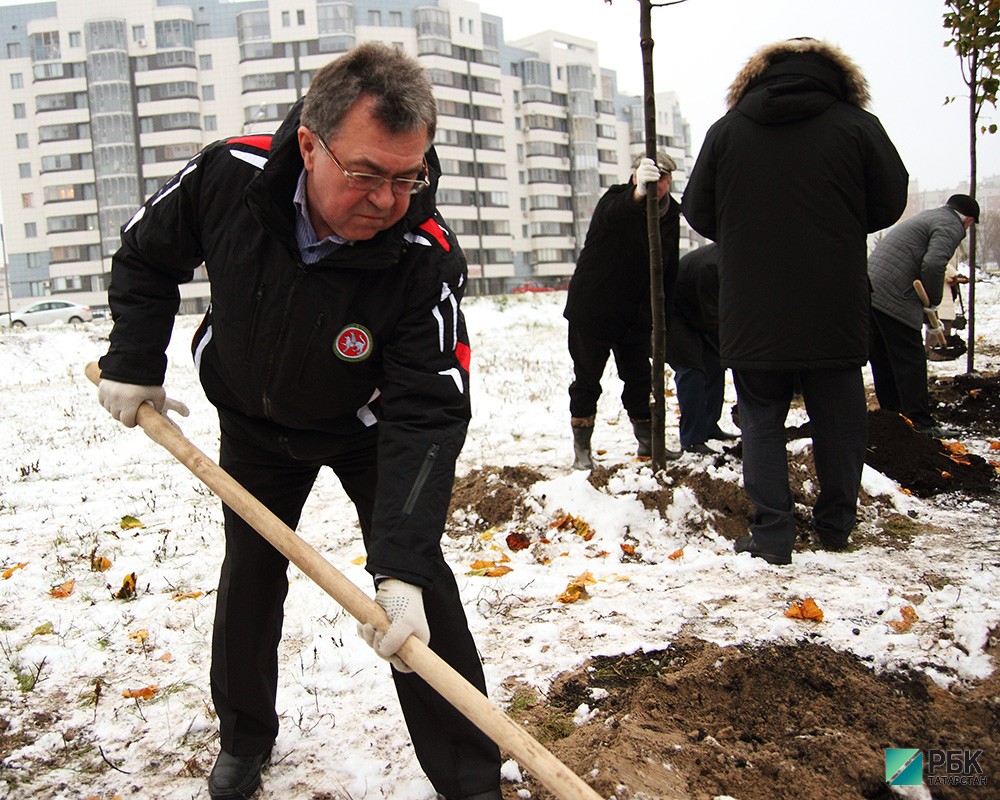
(757, 723)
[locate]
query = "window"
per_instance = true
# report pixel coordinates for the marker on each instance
(75, 39)
(27, 200)
(286, 19)
(300, 17)
(210, 122)
(207, 93)
(16, 80)
(396, 19)
(138, 33)
(30, 230)
(22, 141)
(374, 17)
(204, 62)
(19, 111)
(13, 49)
(24, 170)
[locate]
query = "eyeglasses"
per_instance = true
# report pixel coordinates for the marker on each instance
(364, 182)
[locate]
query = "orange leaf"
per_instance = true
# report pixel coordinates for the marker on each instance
(945, 474)
(166, 657)
(144, 693)
(960, 459)
(807, 609)
(497, 572)
(139, 635)
(676, 554)
(628, 549)
(909, 616)
(186, 595)
(63, 590)
(483, 564)
(11, 570)
(955, 447)
(127, 591)
(599, 554)
(518, 541)
(573, 593)
(994, 445)
(100, 563)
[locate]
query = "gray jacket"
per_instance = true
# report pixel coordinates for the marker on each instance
(920, 248)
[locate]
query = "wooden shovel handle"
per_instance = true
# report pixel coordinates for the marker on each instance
(932, 316)
(508, 735)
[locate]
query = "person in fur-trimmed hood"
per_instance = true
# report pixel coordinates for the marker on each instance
(789, 183)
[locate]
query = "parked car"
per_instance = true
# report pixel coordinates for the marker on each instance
(531, 286)
(47, 312)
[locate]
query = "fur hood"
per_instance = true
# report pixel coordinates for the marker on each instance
(854, 86)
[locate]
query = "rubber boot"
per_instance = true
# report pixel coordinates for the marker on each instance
(643, 430)
(583, 430)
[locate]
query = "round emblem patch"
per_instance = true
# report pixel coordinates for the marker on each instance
(353, 343)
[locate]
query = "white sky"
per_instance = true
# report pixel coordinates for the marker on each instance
(700, 45)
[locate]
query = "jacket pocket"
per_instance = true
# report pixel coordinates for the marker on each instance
(418, 484)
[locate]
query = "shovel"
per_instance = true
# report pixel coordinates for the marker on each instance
(508, 735)
(932, 318)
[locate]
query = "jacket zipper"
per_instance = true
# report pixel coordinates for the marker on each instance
(258, 295)
(309, 343)
(418, 484)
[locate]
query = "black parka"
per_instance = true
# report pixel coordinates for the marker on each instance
(371, 333)
(789, 183)
(609, 291)
(694, 320)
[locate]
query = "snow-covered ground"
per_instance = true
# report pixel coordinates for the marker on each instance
(71, 475)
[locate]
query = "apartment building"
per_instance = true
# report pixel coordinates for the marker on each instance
(102, 101)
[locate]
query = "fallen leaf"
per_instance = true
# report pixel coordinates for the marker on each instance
(676, 554)
(807, 609)
(576, 589)
(960, 459)
(955, 447)
(480, 564)
(64, 589)
(129, 522)
(628, 549)
(100, 563)
(359, 561)
(127, 592)
(497, 572)
(144, 693)
(45, 629)
(166, 657)
(11, 570)
(575, 524)
(599, 554)
(945, 474)
(994, 445)
(139, 635)
(186, 595)
(518, 541)
(909, 616)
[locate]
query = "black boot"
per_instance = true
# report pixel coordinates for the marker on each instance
(236, 777)
(583, 430)
(643, 430)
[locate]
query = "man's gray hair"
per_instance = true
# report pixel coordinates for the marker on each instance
(663, 161)
(404, 100)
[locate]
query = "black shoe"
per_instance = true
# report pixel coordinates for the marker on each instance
(747, 544)
(493, 794)
(940, 431)
(701, 449)
(720, 435)
(833, 540)
(236, 777)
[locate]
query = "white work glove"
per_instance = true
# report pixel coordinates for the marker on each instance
(122, 400)
(404, 604)
(644, 173)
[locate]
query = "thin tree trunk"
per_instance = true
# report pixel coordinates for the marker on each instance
(656, 299)
(970, 356)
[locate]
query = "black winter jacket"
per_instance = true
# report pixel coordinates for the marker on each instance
(789, 183)
(694, 321)
(372, 333)
(609, 291)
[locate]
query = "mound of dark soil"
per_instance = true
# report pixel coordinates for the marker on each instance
(756, 723)
(970, 402)
(495, 495)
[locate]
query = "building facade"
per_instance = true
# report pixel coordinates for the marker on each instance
(101, 102)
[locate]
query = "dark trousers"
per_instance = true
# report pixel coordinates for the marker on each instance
(590, 356)
(899, 368)
(700, 394)
(458, 759)
(835, 402)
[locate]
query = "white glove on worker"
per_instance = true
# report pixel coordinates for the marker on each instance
(122, 400)
(644, 173)
(404, 604)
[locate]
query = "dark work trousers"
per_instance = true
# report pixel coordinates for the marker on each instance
(835, 402)
(700, 393)
(590, 356)
(458, 759)
(899, 368)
